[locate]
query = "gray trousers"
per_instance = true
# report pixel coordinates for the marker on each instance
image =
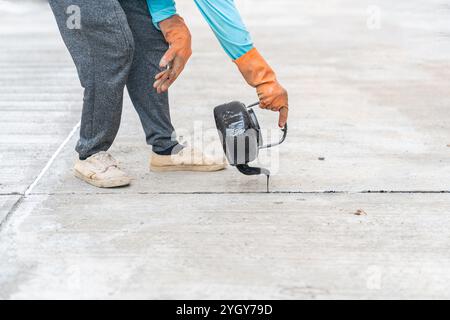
(116, 45)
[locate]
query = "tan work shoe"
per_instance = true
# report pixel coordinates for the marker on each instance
(101, 170)
(188, 159)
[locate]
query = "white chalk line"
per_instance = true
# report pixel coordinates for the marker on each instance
(51, 160)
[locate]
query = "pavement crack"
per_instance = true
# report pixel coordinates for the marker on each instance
(407, 191)
(246, 192)
(24, 196)
(11, 194)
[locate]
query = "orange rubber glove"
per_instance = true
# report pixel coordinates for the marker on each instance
(178, 36)
(259, 74)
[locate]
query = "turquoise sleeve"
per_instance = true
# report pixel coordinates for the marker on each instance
(221, 15)
(226, 23)
(161, 10)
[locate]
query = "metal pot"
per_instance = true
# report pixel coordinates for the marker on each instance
(240, 135)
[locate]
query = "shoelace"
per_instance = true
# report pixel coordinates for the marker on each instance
(105, 161)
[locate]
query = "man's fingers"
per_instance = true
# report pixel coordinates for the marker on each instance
(162, 87)
(163, 76)
(176, 68)
(175, 71)
(160, 83)
(265, 103)
(168, 57)
(159, 75)
(165, 83)
(283, 117)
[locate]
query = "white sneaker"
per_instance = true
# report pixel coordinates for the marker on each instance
(188, 159)
(101, 170)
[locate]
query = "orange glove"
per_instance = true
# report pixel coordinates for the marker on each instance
(259, 74)
(178, 36)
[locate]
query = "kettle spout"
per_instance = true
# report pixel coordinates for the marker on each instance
(254, 171)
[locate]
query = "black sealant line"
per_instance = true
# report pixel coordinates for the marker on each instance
(234, 192)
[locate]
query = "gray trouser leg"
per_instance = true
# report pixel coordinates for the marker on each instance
(103, 52)
(153, 108)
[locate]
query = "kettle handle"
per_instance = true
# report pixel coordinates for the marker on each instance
(285, 129)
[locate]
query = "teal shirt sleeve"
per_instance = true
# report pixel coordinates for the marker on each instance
(221, 15)
(226, 23)
(161, 10)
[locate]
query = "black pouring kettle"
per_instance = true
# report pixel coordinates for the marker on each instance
(240, 135)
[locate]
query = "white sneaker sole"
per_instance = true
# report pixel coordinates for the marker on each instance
(205, 168)
(113, 183)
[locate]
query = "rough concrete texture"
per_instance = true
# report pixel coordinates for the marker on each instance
(370, 97)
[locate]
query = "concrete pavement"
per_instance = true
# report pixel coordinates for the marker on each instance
(368, 95)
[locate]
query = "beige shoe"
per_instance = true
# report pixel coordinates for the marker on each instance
(101, 170)
(188, 159)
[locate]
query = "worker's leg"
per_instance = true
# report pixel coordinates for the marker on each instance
(153, 108)
(102, 46)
